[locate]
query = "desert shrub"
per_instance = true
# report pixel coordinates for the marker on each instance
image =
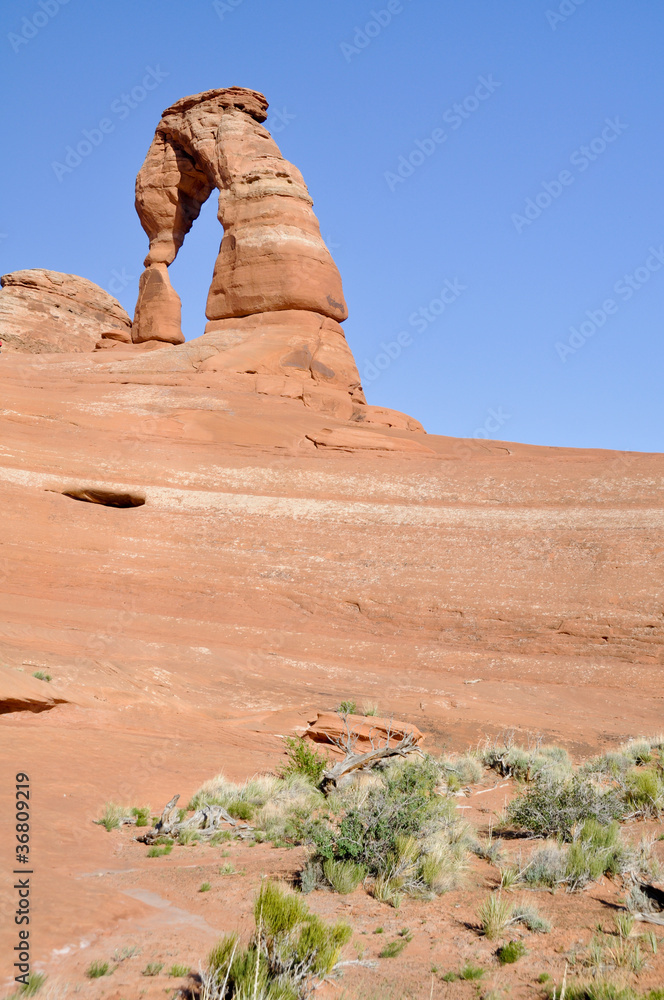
(471, 973)
(597, 989)
(524, 764)
(511, 952)
(178, 971)
(347, 707)
(219, 791)
(289, 951)
(241, 809)
(33, 985)
(152, 969)
(612, 764)
(188, 837)
(160, 850)
(530, 917)
(494, 915)
(370, 709)
(112, 815)
(644, 791)
(398, 828)
(41, 676)
(464, 770)
(394, 948)
(596, 850)
(388, 890)
(639, 751)
(142, 814)
(311, 877)
(546, 867)
(553, 807)
(488, 849)
(624, 922)
(97, 969)
(303, 759)
(204, 887)
(343, 876)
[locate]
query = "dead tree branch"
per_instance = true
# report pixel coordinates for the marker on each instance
(206, 821)
(355, 761)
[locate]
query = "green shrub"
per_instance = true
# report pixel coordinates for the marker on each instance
(530, 918)
(343, 876)
(639, 751)
(178, 971)
(347, 708)
(186, 838)
(112, 815)
(471, 973)
(526, 765)
(35, 982)
(241, 809)
(41, 676)
(160, 850)
(152, 969)
(142, 814)
(303, 759)
(393, 949)
(511, 952)
(290, 950)
(644, 791)
(495, 914)
(398, 828)
(97, 969)
(598, 989)
(204, 887)
(595, 851)
(554, 807)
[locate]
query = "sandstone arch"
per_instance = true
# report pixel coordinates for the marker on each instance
(272, 257)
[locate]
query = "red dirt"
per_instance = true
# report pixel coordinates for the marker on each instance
(470, 589)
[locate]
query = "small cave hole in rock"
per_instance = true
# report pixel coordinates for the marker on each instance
(109, 498)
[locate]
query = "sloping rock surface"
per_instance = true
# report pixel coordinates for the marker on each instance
(48, 312)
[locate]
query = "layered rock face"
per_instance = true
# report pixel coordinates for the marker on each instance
(273, 264)
(47, 312)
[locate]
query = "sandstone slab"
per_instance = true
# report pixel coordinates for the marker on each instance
(45, 311)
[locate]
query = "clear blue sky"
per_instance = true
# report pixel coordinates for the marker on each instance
(349, 109)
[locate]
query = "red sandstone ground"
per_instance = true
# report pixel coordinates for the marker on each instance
(470, 588)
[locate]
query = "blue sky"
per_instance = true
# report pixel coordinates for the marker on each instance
(488, 176)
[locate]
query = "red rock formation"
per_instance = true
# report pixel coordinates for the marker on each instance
(47, 312)
(273, 267)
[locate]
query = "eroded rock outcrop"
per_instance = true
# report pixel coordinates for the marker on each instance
(48, 312)
(273, 271)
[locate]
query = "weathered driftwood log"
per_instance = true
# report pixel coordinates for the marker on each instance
(206, 821)
(356, 761)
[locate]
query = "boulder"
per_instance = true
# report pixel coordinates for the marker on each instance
(366, 732)
(48, 312)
